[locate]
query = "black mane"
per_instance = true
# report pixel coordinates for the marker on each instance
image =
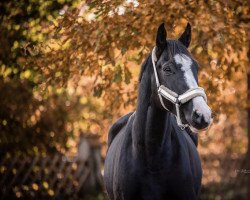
(144, 65)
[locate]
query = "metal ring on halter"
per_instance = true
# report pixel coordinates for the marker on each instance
(173, 97)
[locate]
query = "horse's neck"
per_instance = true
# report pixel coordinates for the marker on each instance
(151, 123)
(157, 136)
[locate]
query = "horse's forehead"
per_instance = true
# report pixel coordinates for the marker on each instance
(185, 63)
(184, 60)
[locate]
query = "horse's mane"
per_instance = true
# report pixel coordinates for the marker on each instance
(143, 67)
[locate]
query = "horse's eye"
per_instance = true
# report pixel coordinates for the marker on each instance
(167, 69)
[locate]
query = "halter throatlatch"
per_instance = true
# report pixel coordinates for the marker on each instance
(174, 97)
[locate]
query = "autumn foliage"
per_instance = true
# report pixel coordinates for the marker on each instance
(70, 66)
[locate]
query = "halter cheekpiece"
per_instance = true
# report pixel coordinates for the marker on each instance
(174, 97)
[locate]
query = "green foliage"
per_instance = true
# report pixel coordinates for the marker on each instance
(28, 121)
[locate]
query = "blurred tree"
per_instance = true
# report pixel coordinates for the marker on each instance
(61, 53)
(23, 22)
(30, 122)
(107, 40)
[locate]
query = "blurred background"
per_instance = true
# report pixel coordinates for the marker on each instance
(69, 69)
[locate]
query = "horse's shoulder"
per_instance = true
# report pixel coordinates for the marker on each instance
(117, 126)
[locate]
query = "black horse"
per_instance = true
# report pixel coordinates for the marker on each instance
(150, 155)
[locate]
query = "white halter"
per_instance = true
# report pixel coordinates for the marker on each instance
(174, 97)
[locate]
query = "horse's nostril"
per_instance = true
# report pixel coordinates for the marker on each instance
(197, 113)
(197, 117)
(199, 120)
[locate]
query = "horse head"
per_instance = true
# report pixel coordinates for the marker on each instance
(174, 82)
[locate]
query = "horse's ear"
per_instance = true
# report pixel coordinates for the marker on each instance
(186, 36)
(161, 38)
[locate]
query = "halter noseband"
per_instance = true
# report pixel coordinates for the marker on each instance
(174, 97)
